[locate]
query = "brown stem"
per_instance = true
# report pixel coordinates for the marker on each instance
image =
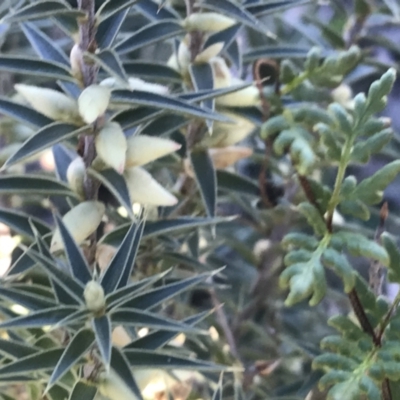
(362, 317)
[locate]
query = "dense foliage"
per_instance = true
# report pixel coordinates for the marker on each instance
(183, 205)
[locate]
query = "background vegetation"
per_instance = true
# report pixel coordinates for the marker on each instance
(195, 199)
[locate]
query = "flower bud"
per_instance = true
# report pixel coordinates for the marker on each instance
(76, 61)
(222, 73)
(51, 103)
(76, 175)
(208, 53)
(344, 96)
(120, 337)
(222, 158)
(247, 97)
(94, 297)
(144, 189)
(143, 149)
(134, 84)
(93, 102)
(111, 146)
(81, 222)
(207, 22)
(112, 386)
(227, 134)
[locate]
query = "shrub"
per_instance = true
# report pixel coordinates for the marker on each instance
(203, 190)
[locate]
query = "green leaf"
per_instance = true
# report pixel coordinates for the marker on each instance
(49, 316)
(260, 9)
(43, 139)
(370, 190)
(83, 391)
(47, 49)
(102, 331)
(178, 106)
(76, 259)
(273, 51)
(230, 181)
(16, 350)
(152, 359)
(313, 217)
(73, 287)
(149, 34)
(301, 240)
(128, 119)
(109, 60)
(152, 71)
(161, 227)
(230, 9)
(123, 260)
(76, 349)
(136, 318)
(45, 360)
(363, 150)
(120, 365)
(152, 298)
(227, 36)
(20, 222)
(62, 158)
(29, 300)
(165, 125)
(157, 339)
(42, 10)
(156, 11)
(109, 28)
(206, 179)
(23, 114)
(338, 262)
(394, 253)
(112, 7)
(33, 185)
(116, 184)
(355, 208)
(31, 66)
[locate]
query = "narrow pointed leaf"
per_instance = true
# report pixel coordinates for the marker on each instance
(272, 51)
(12, 349)
(43, 139)
(73, 287)
(28, 300)
(31, 66)
(152, 71)
(226, 36)
(120, 365)
(152, 298)
(109, 28)
(152, 359)
(161, 227)
(23, 114)
(260, 9)
(42, 10)
(139, 97)
(43, 45)
(19, 222)
(122, 260)
(45, 360)
(165, 125)
(76, 259)
(152, 10)
(206, 179)
(83, 391)
(109, 60)
(230, 9)
(128, 119)
(33, 185)
(75, 317)
(203, 79)
(149, 34)
(230, 181)
(112, 7)
(50, 316)
(157, 339)
(128, 291)
(62, 158)
(102, 331)
(218, 391)
(234, 54)
(131, 317)
(46, 49)
(116, 184)
(76, 349)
